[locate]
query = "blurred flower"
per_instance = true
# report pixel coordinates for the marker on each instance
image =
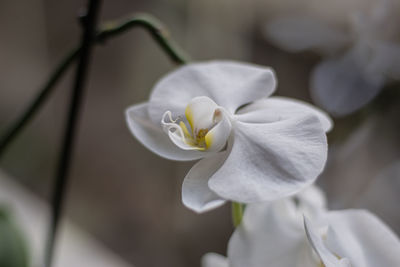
(275, 234)
(358, 62)
(13, 246)
(252, 148)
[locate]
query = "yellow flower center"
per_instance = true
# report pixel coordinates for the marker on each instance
(205, 127)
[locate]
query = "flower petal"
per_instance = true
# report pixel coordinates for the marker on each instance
(343, 86)
(275, 108)
(200, 112)
(214, 260)
(268, 161)
(301, 33)
(270, 234)
(216, 138)
(362, 238)
(312, 201)
(229, 84)
(153, 137)
(327, 257)
(196, 194)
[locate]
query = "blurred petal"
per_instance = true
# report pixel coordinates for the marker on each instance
(327, 257)
(196, 194)
(270, 234)
(312, 201)
(362, 238)
(343, 86)
(275, 108)
(214, 260)
(378, 22)
(304, 33)
(229, 84)
(268, 161)
(153, 137)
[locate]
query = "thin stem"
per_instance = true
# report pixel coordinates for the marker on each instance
(237, 213)
(71, 123)
(12, 132)
(109, 30)
(156, 29)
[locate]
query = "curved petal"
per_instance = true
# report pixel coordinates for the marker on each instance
(216, 138)
(153, 137)
(268, 161)
(327, 257)
(301, 33)
(200, 112)
(362, 238)
(271, 234)
(229, 84)
(196, 195)
(214, 260)
(343, 86)
(276, 108)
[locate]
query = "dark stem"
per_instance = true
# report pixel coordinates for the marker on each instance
(107, 31)
(71, 123)
(157, 30)
(12, 132)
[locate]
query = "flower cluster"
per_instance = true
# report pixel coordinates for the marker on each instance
(287, 233)
(264, 151)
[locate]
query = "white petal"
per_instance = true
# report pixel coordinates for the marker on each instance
(196, 194)
(216, 138)
(275, 108)
(176, 138)
(304, 33)
(343, 86)
(214, 260)
(327, 257)
(153, 137)
(229, 84)
(312, 201)
(362, 238)
(271, 234)
(200, 113)
(271, 160)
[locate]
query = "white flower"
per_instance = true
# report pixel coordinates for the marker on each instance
(359, 60)
(275, 234)
(252, 148)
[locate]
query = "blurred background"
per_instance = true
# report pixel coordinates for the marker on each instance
(128, 198)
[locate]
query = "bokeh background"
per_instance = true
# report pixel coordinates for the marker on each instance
(121, 193)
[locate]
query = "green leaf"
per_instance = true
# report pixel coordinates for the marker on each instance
(13, 249)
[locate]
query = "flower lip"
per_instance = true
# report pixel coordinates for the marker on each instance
(207, 126)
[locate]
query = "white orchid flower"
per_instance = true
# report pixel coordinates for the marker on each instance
(275, 234)
(252, 147)
(359, 60)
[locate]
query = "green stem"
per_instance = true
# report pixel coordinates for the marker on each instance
(111, 29)
(156, 29)
(237, 213)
